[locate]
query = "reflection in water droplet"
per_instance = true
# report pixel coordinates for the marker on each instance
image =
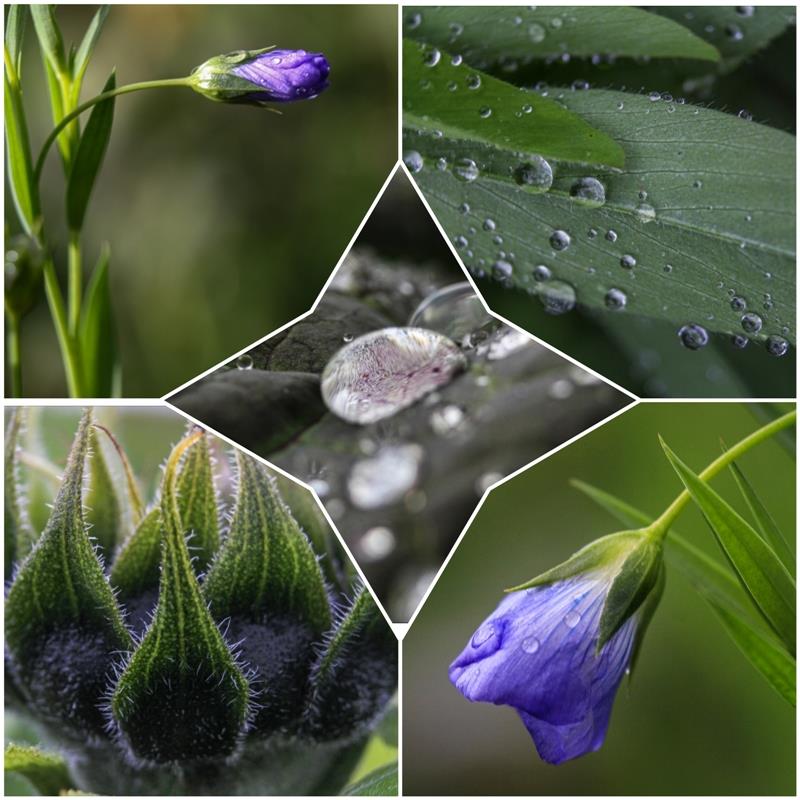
(777, 346)
(530, 645)
(483, 634)
(385, 477)
(413, 160)
(588, 192)
(454, 310)
(751, 322)
(535, 174)
(559, 240)
(384, 371)
(557, 297)
(693, 336)
(616, 299)
(244, 361)
(466, 169)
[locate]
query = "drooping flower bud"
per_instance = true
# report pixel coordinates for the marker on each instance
(262, 76)
(557, 648)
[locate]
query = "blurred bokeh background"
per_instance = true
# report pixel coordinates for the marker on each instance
(224, 221)
(697, 719)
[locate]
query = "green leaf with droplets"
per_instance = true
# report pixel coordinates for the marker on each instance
(197, 501)
(773, 662)
(47, 772)
(766, 525)
(758, 568)
(62, 621)
(18, 533)
(705, 207)
(266, 564)
(355, 673)
(487, 35)
(482, 109)
(182, 666)
(136, 567)
(103, 504)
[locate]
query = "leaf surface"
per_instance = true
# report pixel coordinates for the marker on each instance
(484, 35)
(46, 771)
(381, 782)
(704, 211)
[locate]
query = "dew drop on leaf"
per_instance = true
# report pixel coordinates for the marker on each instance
(465, 169)
(611, 236)
(502, 269)
(557, 297)
(536, 33)
(693, 337)
(559, 240)
(616, 299)
(473, 81)
(413, 160)
(244, 361)
(740, 341)
(385, 371)
(485, 112)
(627, 261)
(535, 174)
(542, 273)
(738, 303)
(645, 212)
(588, 192)
(744, 114)
(777, 346)
(433, 57)
(751, 322)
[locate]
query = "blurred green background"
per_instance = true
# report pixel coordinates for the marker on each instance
(224, 221)
(697, 719)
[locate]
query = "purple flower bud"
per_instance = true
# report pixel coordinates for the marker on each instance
(262, 76)
(537, 652)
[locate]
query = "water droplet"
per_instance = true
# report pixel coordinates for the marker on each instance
(433, 57)
(542, 273)
(693, 336)
(655, 96)
(777, 346)
(465, 169)
(536, 33)
(527, 108)
(489, 224)
(745, 11)
(502, 270)
(483, 634)
(740, 341)
(454, 310)
(384, 477)
(588, 192)
(592, 234)
(561, 389)
(446, 419)
(413, 160)
(464, 208)
(734, 33)
(457, 60)
(559, 240)
(751, 323)
(530, 645)
(485, 112)
(347, 338)
(628, 261)
(536, 174)
(377, 543)
(616, 299)
(557, 297)
(579, 85)
(244, 361)
(384, 371)
(738, 303)
(744, 114)
(645, 212)
(473, 81)
(668, 268)
(413, 21)
(572, 619)
(611, 236)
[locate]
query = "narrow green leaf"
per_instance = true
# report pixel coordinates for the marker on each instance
(266, 565)
(355, 674)
(18, 158)
(15, 35)
(68, 139)
(18, 533)
(707, 576)
(493, 113)
(736, 31)
(97, 331)
(381, 782)
(88, 158)
(47, 772)
(777, 667)
(197, 501)
(60, 610)
(486, 35)
(134, 497)
(49, 35)
(86, 48)
(758, 568)
(765, 523)
(137, 565)
(182, 666)
(678, 214)
(103, 504)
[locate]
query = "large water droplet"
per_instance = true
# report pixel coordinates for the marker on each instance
(413, 160)
(751, 322)
(530, 645)
(616, 299)
(244, 361)
(572, 619)
(557, 297)
(628, 261)
(559, 240)
(384, 371)
(535, 174)
(385, 477)
(693, 336)
(777, 346)
(454, 310)
(465, 169)
(588, 192)
(483, 634)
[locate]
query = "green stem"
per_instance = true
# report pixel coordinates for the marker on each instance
(14, 363)
(75, 281)
(74, 114)
(69, 351)
(659, 527)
